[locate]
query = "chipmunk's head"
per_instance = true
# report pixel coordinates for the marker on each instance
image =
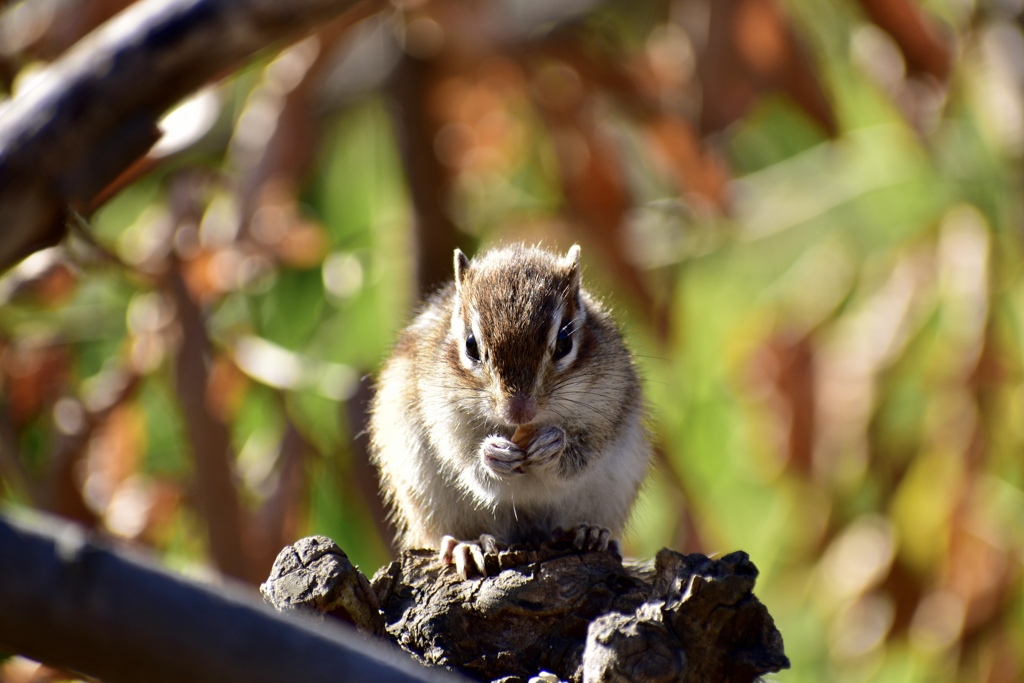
(516, 328)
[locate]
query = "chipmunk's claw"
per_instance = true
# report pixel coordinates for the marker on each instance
(589, 537)
(467, 556)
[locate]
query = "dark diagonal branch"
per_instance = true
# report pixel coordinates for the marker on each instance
(95, 110)
(70, 601)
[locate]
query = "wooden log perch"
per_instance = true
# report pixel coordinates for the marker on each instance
(583, 616)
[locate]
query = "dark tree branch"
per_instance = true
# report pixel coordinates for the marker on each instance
(69, 600)
(94, 111)
(213, 456)
(428, 180)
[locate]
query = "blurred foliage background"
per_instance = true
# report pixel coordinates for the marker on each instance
(806, 213)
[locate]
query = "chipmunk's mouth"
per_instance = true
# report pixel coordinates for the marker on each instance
(518, 434)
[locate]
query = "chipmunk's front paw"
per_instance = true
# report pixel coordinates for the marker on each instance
(502, 457)
(467, 556)
(546, 445)
(589, 537)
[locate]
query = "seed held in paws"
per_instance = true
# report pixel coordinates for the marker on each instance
(523, 435)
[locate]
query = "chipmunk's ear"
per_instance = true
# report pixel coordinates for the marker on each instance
(461, 268)
(571, 260)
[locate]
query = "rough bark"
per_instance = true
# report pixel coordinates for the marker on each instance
(583, 616)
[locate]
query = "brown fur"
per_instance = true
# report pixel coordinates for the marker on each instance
(435, 408)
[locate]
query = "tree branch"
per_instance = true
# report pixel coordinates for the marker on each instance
(69, 600)
(95, 110)
(213, 456)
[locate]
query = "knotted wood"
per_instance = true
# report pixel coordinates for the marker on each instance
(583, 616)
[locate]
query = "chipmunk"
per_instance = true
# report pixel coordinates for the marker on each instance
(510, 410)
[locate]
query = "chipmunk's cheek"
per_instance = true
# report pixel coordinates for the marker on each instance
(501, 457)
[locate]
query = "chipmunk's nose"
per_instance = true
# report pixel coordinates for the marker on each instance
(520, 409)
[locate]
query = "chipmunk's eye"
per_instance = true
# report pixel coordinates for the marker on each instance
(563, 342)
(472, 350)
